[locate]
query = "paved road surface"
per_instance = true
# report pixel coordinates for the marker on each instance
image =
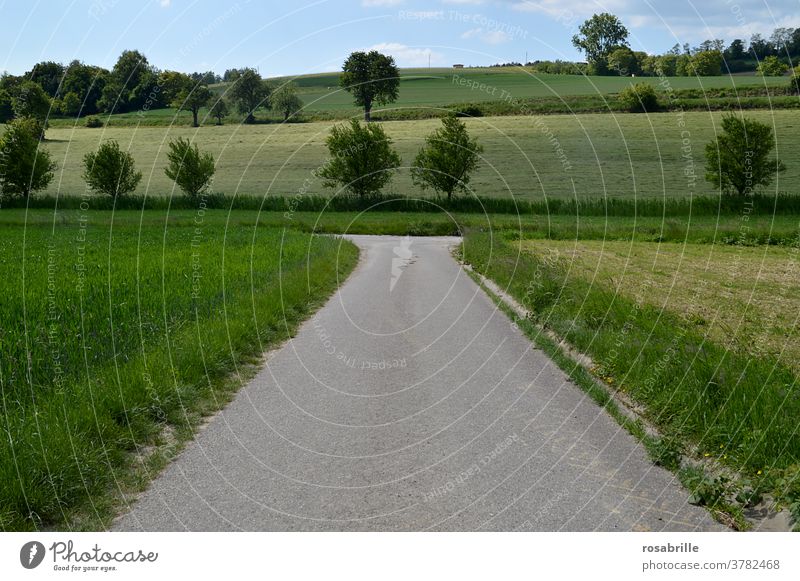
(410, 403)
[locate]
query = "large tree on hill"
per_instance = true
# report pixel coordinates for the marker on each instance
(250, 92)
(371, 77)
(598, 37)
(284, 100)
(190, 96)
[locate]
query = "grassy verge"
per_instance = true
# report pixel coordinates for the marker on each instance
(722, 403)
(726, 229)
(757, 204)
(118, 332)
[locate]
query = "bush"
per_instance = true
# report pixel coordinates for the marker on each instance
(362, 159)
(469, 111)
(94, 122)
(110, 170)
(24, 166)
(639, 98)
(191, 170)
(772, 66)
(794, 82)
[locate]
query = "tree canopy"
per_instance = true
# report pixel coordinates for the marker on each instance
(598, 37)
(371, 77)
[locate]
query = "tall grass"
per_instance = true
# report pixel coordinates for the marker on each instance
(762, 204)
(109, 333)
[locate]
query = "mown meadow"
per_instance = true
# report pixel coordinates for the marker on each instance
(528, 158)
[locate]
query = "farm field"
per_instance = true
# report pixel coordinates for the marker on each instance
(119, 333)
(438, 87)
(744, 298)
(423, 88)
(590, 155)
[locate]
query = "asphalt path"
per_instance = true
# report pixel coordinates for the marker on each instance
(410, 402)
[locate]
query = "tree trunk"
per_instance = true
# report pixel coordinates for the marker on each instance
(250, 118)
(367, 111)
(194, 118)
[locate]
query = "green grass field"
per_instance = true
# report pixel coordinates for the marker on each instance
(558, 156)
(117, 335)
(442, 86)
(428, 93)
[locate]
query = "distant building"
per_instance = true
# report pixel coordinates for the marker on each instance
(458, 66)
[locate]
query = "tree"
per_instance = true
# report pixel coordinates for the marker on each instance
(772, 66)
(738, 160)
(24, 166)
(447, 159)
(371, 78)
(192, 99)
(362, 158)
(623, 60)
(188, 168)
(706, 63)
(285, 100)
(48, 75)
(132, 84)
(639, 98)
(219, 110)
(600, 35)
(6, 106)
(172, 84)
(31, 101)
(111, 171)
(667, 65)
(70, 104)
(87, 82)
(794, 81)
(736, 50)
(759, 46)
(250, 92)
(781, 40)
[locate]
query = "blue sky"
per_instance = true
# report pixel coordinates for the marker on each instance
(316, 35)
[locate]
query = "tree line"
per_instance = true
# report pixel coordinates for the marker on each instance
(133, 84)
(603, 39)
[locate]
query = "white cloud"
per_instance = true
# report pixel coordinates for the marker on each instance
(375, 3)
(164, 3)
(472, 2)
(488, 36)
(407, 56)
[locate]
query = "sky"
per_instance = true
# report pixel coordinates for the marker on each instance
(307, 36)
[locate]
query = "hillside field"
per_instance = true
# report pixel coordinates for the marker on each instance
(588, 155)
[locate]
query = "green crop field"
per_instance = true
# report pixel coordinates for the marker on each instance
(438, 87)
(588, 155)
(119, 334)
